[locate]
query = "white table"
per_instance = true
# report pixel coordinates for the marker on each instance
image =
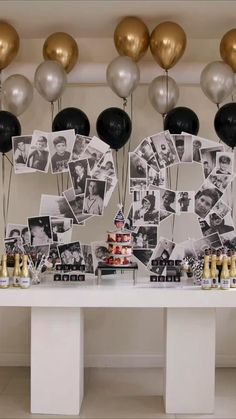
(57, 333)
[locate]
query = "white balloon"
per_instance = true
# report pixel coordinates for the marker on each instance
(17, 93)
(163, 93)
(217, 81)
(50, 80)
(123, 76)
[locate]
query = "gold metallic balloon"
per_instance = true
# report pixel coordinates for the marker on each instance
(167, 44)
(61, 47)
(9, 44)
(228, 48)
(131, 37)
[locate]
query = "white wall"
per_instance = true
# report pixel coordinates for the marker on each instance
(112, 336)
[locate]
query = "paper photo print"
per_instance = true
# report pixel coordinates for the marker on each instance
(38, 157)
(61, 229)
(221, 208)
(143, 255)
(229, 240)
(88, 258)
(221, 182)
(224, 163)
(79, 172)
(13, 245)
(185, 202)
(188, 249)
(105, 168)
(184, 147)
(100, 254)
(60, 147)
(129, 224)
(155, 179)
(215, 224)
(95, 151)
(18, 230)
(80, 144)
(146, 151)
(40, 230)
(167, 203)
(75, 203)
(20, 148)
(53, 256)
(71, 253)
(165, 151)
(198, 144)
(209, 242)
(206, 198)
(109, 188)
(208, 157)
(56, 206)
(137, 167)
(146, 208)
(160, 255)
(94, 197)
(145, 238)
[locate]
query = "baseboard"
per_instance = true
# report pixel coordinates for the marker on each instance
(113, 361)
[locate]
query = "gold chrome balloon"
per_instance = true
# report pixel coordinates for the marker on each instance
(167, 44)
(9, 44)
(131, 37)
(228, 48)
(61, 47)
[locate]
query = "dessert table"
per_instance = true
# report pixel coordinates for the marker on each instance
(57, 338)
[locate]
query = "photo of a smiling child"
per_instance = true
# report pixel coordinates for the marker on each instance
(60, 146)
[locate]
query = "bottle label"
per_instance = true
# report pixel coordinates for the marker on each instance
(16, 281)
(25, 282)
(215, 282)
(225, 283)
(233, 282)
(4, 281)
(206, 283)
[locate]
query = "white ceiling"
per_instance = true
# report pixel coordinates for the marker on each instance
(89, 18)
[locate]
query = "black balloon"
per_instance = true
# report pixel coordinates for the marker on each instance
(225, 124)
(181, 119)
(114, 127)
(9, 127)
(72, 118)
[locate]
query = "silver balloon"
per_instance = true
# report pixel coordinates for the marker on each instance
(163, 93)
(17, 94)
(217, 81)
(123, 76)
(50, 80)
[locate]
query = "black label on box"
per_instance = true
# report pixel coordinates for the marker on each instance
(58, 267)
(57, 277)
(73, 277)
(65, 277)
(81, 277)
(153, 278)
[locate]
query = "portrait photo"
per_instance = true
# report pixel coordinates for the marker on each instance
(13, 245)
(40, 230)
(167, 201)
(145, 150)
(137, 167)
(224, 163)
(145, 238)
(80, 144)
(20, 149)
(208, 157)
(18, 230)
(61, 229)
(79, 171)
(146, 208)
(184, 201)
(165, 151)
(38, 156)
(60, 147)
(94, 197)
(184, 147)
(71, 253)
(206, 198)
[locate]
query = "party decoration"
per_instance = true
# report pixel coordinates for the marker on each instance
(17, 94)
(114, 127)
(228, 48)
(225, 124)
(123, 76)
(181, 119)
(9, 127)
(61, 47)
(167, 44)
(50, 80)
(217, 81)
(9, 44)
(163, 93)
(72, 118)
(131, 37)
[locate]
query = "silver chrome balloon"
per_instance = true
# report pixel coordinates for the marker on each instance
(217, 81)
(163, 93)
(50, 80)
(123, 76)
(17, 94)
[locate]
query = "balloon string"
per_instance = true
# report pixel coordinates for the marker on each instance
(117, 169)
(167, 90)
(9, 191)
(3, 194)
(218, 106)
(163, 120)
(123, 162)
(232, 194)
(174, 215)
(57, 176)
(129, 147)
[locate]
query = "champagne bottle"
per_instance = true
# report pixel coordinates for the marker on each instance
(16, 271)
(24, 277)
(214, 272)
(224, 277)
(232, 272)
(206, 276)
(4, 275)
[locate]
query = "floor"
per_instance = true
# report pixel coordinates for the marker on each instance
(114, 394)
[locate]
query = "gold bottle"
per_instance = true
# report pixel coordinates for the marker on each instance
(16, 271)
(232, 272)
(224, 277)
(24, 277)
(214, 272)
(206, 276)
(4, 274)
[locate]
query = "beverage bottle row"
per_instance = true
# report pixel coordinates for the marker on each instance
(20, 276)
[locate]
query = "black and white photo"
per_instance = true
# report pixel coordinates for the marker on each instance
(20, 148)
(145, 150)
(209, 242)
(100, 254)
(60, 147)
(38, 157)
(79, 172)
(129, 223)
(208, 157)
(146, 208)
(95, 151)
(13, 245)
(229, 240)
(184, 147)
(53, 255)
(143, 255)
(188, 249)
(111, 183)
(75, 203)
(213, 223)
(36, 252)
(61, 229)
(145, 238)
(16, 230)
(79, 146)
(184, 202)
(40, 230)
(167, 203)
(137, 167)
(138, 185)
(88, 258)
(56, 206)
(198, 144)
(224, 163)
(94, 197)
(71, 253)
(105, 168)
(162, 253)
(221, 208)
(165, 151)
(156, 179)
(206, 198)
(221, 182)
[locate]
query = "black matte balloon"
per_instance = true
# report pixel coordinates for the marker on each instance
(72, 118)
(181, 119)
(9, 127)
(114, 127)
(225, 124)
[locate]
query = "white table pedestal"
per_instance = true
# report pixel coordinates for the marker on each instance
(57, 357)
(190, 360)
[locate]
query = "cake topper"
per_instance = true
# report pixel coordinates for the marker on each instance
(119, 219)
